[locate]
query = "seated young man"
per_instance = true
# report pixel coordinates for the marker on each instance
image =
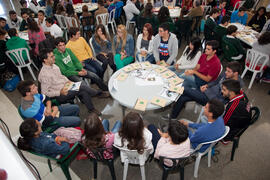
(24, 25)
(210, 131)
(131, 10)
(165, 45)
(14, 21)
(221, 29)
(206, 92)
(210, 24)
(83, 52)
(231, 39)
(239, 16)
(3, 24)
(54, 29)
(207, 69)
(71, 67)
(54, 84)
(39, 107)
(237, 115)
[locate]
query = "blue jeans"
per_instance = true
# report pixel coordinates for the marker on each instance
(69, 116)
(177, 72)
(149, 57)
(116, 126)
(155, 135)
(189, 81)
(94, 66)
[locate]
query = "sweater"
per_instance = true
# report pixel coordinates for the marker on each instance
(130, 10)
(138, 44)
(98, 47)
(172, 48)
(220, 32)
(205, 132)
(12, 24)
(80, 48)
(210, 25)
(239, 19)
(16, 42)
(236, 44)
(257, 24)
(185, 63)
(67, 62)
(129, 48)
(36, 38)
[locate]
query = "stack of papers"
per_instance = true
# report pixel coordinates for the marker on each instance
(158, 101)
(141, 104)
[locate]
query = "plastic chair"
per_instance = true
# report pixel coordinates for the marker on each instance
(208, 150)
(133, 157)
(255, 62)
(197, 25)
(103, 19)
(207, 9)
(178, 164)
(70, 21)
(112, 20)
(128, 23)
(20, 62)
(65, 161)
(255, 115)
(86, 23)
(98, 155)
(62, 21)
(183, 29)
(92, 47)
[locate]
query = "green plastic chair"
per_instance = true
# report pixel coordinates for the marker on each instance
(65, 161)
(228, 49)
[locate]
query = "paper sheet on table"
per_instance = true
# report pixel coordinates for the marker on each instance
(158, 101)
(141, 104)
(73, 86)
(177, 89)
(160, 69)
(136, 65)
(128, 68)
(122, 76)
(139, 73)
(167, 74)
(146, 65)
(175, 81)
(148, 81)
(163, 63)
(172, 96)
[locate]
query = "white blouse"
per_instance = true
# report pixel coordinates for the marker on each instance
(185, 63)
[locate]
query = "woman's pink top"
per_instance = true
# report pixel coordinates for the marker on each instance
(36, 38)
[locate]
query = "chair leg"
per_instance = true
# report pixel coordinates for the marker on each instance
(21, 74)
(244, 72)
(197, 163)
(65, 171)
(209, 157)
(32, 73)
(182, 173)
(235, 144)
(252, 79)
(165, 174)
(125, 169)
(95, 169)
(35, 66)
(112, 28)
(111, 167)
(142, 172)
(49, 164)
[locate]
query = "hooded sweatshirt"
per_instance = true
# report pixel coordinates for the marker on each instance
(67, 62)
(16, 42)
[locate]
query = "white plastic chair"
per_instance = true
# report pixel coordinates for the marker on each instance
(70, 21)
(130, 22)
(208, 150)
(207, 9)
(103, 19)
(239, 4)
(133, 157)
(92, 47)
(112, 20)
(255, 60)
(62, 21)
(17, 54)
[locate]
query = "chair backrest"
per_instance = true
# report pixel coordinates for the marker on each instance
(62, 21)
(102, 19)
(86, 21)
(255, 58)
(72, 22)
(92, 47)
(185, 26)
(238, 5)
(133, 156)
(227, 129)
(197, 22)
(176, 162)
(207, 9)
(112, 15)
(16, 56)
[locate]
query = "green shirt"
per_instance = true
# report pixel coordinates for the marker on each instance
(220, 31)
(16, 42)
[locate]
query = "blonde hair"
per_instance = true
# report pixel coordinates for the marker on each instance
(124, 39)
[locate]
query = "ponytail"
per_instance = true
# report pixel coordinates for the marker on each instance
(23, 143)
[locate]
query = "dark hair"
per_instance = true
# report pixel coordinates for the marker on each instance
(232, 85)
(12, 32)
(148, 10)
(96, 36)
(2, 32)
(85, 8)
(24, 12)
(184, 11)
(60, 8)
(100, 2)
(231, 29)
(49, 20)
(242, 9)
(197, 3)
(32, 25)
(213, 43)
(214, 11)
(264, 38)
(260, 8)
(163, 15)
(42, 12)
(43, 54)
(11, 12)
(234, 66)
(24, 87)
(132, 131)
(196, 42)
(59, 40)
(73, 31)
(28, 128)
(55, 3)
(2, 19)
(93, 132)
(225, 19)
(22, 2)
(149, 28)
(222, 1)
(178, 132)
(216, 107)
(69, 9)
(165, 26)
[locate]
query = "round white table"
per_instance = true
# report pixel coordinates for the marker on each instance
(128, 91)
(174, 12)
(91, 7)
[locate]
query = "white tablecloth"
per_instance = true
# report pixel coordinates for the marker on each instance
(91, 7)
(246, 34)
(174, 12)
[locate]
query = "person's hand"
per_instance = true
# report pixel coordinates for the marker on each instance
(82, 73)
(189, 72)
(103, 37)
(64, 91)
(203, 88)
(39, 22)
(123, 56)
(176, 66)
(55, 110)
(184, 122)
(158, 62)
(48, 111)
(60, 139)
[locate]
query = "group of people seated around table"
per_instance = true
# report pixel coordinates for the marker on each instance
(65, 62)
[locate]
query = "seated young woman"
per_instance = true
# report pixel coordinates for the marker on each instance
(98, 135)
(133, 135)
(189, 58)
(103, 47)
(173, 142)
(144, 45)
(124, 47)
(41, 142)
